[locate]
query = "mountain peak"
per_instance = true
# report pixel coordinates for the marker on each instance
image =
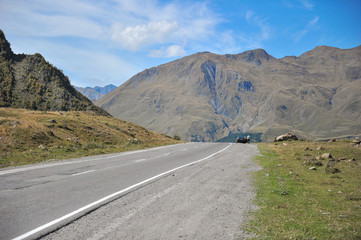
(256, 56)
(204, 97)
(5, 49)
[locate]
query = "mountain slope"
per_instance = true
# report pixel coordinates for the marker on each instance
(96, 93)
(204, 97)
(29, 81)
(35, 136)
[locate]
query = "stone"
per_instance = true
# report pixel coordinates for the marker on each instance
(330, 163)
(313, 168)
(330, 166)
(41, 147)
(312, 161)
(319, 148)
(73, 139)
(284, 137)
(326, 156)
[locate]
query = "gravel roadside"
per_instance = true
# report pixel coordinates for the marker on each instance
(208, 200)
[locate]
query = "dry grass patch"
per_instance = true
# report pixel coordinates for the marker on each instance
(35, 136)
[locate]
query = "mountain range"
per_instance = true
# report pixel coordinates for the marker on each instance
(95, 93)
(205, 96)
(29, 81)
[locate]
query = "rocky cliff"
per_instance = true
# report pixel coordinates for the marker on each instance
(29, 81)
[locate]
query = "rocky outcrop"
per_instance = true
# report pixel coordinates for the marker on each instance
(29, 81)
(286, 137)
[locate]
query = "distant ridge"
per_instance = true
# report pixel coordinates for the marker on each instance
(96, 93)
(205, 96)
(29, 81)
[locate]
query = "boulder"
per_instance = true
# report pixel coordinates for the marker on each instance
(326, 156)
(356, 143)
(330, 166)
(319, 148)
(42, 147)
(312, 161)
(285, 137)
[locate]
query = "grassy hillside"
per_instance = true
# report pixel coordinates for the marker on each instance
(35, 136)
(298, 203)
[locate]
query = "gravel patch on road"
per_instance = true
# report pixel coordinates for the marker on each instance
(208, 200)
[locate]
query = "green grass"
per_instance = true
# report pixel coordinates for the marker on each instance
(298, 203)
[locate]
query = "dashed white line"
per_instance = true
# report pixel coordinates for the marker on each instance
(97, 158)
(140, 160)
(87, 207)
(81, 173)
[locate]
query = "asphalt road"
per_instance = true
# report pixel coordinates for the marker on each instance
(39, 199)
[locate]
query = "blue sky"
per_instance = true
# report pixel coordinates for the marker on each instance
(106, 42)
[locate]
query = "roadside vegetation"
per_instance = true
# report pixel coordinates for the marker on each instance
(35, 136)
(302, 195)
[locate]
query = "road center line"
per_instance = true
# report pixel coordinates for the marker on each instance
(140, 160)
(102, 200)
(96, 158)
(76, 174)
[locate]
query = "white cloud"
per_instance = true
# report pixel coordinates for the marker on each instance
(85, 38)
(262, 24)
(50, 18)
(307, 5)
(133, 38)
(311, 25)
(249, 15)
(158, 23)
(83, 66)
(171, 51)
(313, 21)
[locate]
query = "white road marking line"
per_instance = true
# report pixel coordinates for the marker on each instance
(140, 160)
(77, 174)
(24, 169)
(87, 207)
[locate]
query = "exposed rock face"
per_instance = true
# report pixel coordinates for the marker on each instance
(29, 81)
(204, 97)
